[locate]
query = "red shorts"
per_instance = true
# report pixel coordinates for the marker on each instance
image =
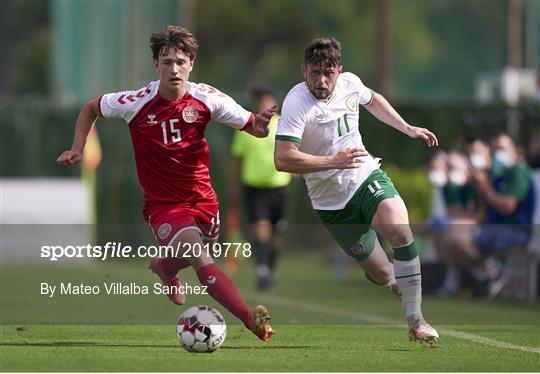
(167, 221)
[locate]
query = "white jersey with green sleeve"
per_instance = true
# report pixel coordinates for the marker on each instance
(324, 128)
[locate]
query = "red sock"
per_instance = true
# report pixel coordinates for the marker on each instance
(223, 290)
(173, 265)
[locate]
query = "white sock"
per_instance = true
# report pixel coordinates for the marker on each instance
(409, 281)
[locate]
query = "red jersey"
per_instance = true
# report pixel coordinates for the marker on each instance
(171, 151)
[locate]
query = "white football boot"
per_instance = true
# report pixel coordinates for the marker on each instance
(420, 330)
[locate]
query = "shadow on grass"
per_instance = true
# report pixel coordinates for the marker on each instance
(96, 344)
(84, 344)
(270, 347)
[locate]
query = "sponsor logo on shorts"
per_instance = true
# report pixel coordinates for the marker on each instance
(190, 114)
(164, 230)
(358, 248)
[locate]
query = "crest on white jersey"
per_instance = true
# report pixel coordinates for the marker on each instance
(321, 117)
(351, 102)
(190, 114)
(164, 230)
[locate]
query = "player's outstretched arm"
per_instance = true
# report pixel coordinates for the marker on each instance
(87, 117)
(288, 158)
(259, 127)
(384, 112)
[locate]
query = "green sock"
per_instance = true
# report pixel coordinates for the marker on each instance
(406, 252)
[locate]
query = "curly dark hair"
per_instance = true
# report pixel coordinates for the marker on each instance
(326, 51)
(176, 37)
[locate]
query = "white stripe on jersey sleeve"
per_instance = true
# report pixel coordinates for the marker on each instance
(223, 108)
(126, 104)
(365, 94)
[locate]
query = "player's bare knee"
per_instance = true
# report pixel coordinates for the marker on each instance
(398, 235)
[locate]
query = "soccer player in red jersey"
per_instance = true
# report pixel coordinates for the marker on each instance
(167, 120)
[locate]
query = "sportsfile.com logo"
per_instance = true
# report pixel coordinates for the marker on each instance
(119, 250)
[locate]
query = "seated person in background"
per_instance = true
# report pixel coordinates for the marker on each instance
(459, 193)
(509, 198)
(461, 204)
(438, 176)
(504, 186)
(533, 159)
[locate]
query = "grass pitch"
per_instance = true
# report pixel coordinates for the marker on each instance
(322, 323)
(295, 348)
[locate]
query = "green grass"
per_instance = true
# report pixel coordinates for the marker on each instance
(295, 348)
(323, 324)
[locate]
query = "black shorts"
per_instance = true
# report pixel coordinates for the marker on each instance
(265, 203)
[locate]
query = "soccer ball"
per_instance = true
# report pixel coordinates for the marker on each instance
(201, 329)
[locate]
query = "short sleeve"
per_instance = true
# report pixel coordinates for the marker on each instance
(365, 95)
(222, 107)
(518, 182)
(126, 104)
(237, 145)
(293, 120)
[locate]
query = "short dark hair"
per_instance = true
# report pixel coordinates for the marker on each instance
(325, 51)
(258, 91)
(176, 37)
(501, 133)
(439, 153)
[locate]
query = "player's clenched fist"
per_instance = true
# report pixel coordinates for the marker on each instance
(68, 158)
(259, 127)
(349, 158)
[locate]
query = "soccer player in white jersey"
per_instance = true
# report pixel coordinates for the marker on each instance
(318, 137)
(167, 120)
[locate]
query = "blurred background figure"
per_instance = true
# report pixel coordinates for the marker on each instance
(533, 159)
(454, 205)
(438, 176)
(90, 162)
(459, 194)
(264, 190)
(503, 203)
(509, 197)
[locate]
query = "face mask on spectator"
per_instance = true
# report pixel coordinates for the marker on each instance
(478, 161)
(502, 158)
(457, 178)
(437, 178)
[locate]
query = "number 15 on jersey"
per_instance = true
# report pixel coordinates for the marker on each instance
(170, 132)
